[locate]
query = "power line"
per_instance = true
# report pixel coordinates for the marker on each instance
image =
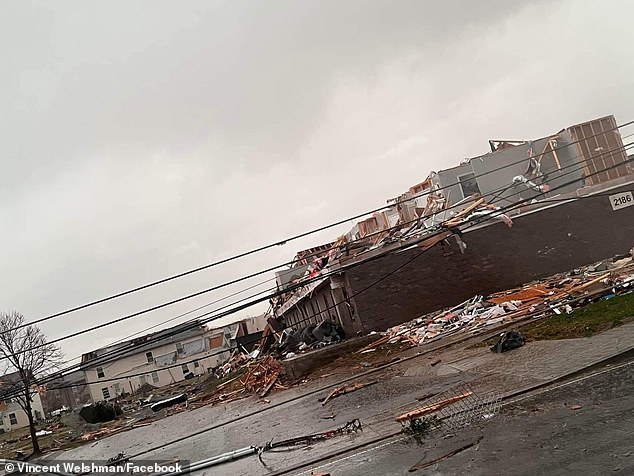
(467, 226)
(292, 238)
(416, 256)
(304, 283)
(408, 244)
(129, 316)
(214, 288)
(236, 347)
(171, 319)
(163, 368)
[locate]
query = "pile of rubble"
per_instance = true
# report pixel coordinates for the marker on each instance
(554, 295)
(255, 377)
(289, 342)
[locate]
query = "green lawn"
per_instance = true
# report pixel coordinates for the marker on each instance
(585, 321)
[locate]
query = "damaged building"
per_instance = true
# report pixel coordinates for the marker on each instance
(164, 357)
(451, 236)
(65, 391)
(12, 415)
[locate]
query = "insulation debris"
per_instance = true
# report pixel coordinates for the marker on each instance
(557, 294)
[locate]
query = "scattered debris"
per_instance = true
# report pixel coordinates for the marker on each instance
(450, 410)
(270, 382)
(427, 409)
(116, 458)
(558, 294)
(575, 407)
(346, 389)
(425, 464)
(94, 435)
(99, 412)
(350, 427)
(508, 341)
(261, 376)
(420, 428)
(168, 402)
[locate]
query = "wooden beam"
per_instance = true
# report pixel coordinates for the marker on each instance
(427, 409)
(458, 218)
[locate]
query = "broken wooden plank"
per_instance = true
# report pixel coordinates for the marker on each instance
(332, 394)
(346, 389)
(374, 344)
(224, 384)
(434, 240)
(458, 218)
(269, 384)
(578, 288)
(432, 407)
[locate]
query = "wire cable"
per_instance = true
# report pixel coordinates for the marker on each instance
(199, 432)
(292, 238)
(343, 268)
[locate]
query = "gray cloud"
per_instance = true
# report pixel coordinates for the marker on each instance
(141, 139)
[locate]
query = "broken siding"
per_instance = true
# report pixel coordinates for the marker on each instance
(495, 171)
(286, 276)
(448, 181)
(314, 308)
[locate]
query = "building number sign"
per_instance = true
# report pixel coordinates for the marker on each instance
(621, 200)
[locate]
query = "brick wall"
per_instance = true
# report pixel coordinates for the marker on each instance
(539, 244)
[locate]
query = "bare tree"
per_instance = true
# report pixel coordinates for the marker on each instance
(26, 351)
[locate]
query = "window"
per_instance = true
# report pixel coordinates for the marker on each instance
(13, 419)
(185, 369)
(142, 380)
(106, 393)
(117, 389)
(179, 348)
(196, 365)
(468, 185)
(149, 357)
(100, 372)
(155, 377)
(38, 415)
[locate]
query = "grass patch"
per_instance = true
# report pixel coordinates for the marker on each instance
(586, 321)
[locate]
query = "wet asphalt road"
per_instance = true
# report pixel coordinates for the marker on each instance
(585, 428)
(235, 425)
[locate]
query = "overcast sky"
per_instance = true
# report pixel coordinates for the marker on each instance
(141, 139)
